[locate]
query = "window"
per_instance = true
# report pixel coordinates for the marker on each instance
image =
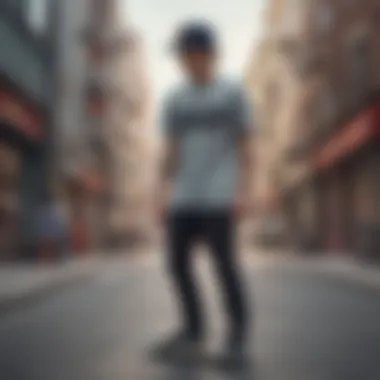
(36, 14)
(17, 5)
(272, 103)
(272, 97)
(320, 110)
(359, 68)
(100, 11)
(97, 53)
(324, 18)
(326, 107)
(293, 15)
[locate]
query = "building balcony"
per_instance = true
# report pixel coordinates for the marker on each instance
(313, 134)
(306, 57)
(100, 93)
(134, 104)
(301, 145)
(297, 150)
(288, 45)
(107, 43)
(97, 140)
(310, 63)
(96, 97)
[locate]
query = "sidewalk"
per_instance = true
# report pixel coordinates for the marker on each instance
(337, 267)
(23, 283)
(364, 275)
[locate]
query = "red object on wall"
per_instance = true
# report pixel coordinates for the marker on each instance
(79, 238)
(91, 181)
(365, 127)
(96, 53)
(21, 115)
(96, 103)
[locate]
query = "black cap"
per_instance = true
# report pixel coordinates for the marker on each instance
(195, 36)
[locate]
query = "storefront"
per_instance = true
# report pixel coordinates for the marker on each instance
(348, 185)
(22, 133)
(10, 167)
(366, 202)
(28, 40)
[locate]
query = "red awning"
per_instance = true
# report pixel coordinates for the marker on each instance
(86, 181)
(91, 181)
(268, 202)
(346, 141)
(20, 115)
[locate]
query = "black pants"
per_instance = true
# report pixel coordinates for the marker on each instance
(216, 229)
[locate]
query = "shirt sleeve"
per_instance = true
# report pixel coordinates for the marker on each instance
(244, 112)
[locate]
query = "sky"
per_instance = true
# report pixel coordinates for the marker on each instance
(237, 21)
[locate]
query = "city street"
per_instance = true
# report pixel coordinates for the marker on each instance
(307, 327)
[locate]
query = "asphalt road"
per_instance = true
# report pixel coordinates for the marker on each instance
(306, 328)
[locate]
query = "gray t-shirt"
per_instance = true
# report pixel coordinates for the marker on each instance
(206, 122)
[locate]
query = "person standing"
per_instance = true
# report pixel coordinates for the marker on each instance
(204, 186)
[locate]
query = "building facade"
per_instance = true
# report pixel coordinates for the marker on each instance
(330, 186)
(275, 91)
(71, 143)
(71, 131)
(27, 41)
(341, 142)
(116, 97)
(101, 121)
(132, 147)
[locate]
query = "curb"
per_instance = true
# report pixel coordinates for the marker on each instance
(347, 272)
(368, 284)
(41, 292)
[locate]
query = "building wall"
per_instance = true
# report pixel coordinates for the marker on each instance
(131, 136)
(23, 59)
(72, 128)
(337, 70)
(276, 92)
(26, 74)
(337, 60)
(119, 137)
